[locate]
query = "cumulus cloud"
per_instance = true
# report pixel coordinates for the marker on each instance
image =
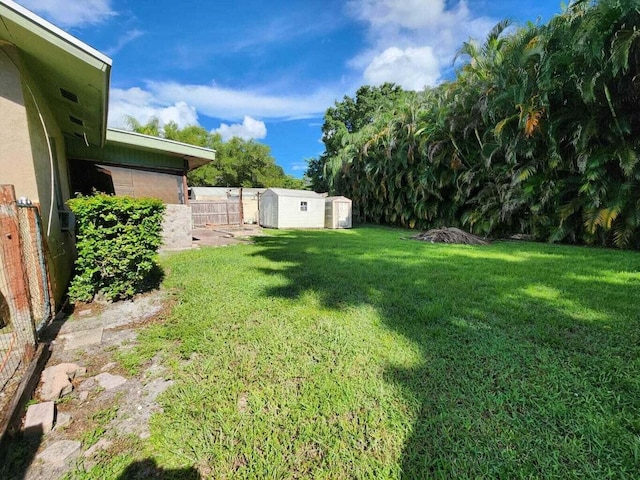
(76, 13)
(411, 42)
(234, 104)
(142, 106)
(250, 128)
(413, 68)
(180, 103)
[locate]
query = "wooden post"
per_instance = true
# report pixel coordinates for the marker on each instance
(17, 294)
(185, 189)
(241, 209)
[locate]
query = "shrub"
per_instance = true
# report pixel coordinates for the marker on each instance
(117, 243)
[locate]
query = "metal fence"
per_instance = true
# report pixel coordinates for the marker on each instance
(25, 296)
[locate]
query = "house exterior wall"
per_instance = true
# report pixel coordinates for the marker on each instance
(144, 184)
(25, 161)
(14, 131)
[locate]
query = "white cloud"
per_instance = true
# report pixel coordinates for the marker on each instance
(413, 68)
(250, 128)
(413, 41)
(231, 104)
(142, 106)
(71, 13)
(171, 101)
(128, 37)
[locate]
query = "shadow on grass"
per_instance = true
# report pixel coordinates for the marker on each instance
(530, 352)
(149, 469)
(18, 452)
(152, 280)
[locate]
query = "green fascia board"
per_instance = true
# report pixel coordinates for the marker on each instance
(54, 35)
(134, 150)
(195, 156)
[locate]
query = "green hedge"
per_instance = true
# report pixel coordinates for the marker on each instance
(117, 243)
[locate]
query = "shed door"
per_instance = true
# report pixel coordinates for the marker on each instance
(343, 215)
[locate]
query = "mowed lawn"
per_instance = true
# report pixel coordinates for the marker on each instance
(361, 354)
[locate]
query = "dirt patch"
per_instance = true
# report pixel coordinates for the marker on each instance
(220, 236)
(450, 235)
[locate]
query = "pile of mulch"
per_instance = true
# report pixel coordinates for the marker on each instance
(450, 235)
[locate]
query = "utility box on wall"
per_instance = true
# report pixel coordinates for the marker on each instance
(337, 212)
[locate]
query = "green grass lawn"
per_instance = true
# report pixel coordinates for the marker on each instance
(357, 354)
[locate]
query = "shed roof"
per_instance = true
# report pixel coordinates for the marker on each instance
(73, 77)
(286, 192)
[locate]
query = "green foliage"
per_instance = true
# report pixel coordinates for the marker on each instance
(99, 420)
(238, 163)
(117, 241)
(539, 133)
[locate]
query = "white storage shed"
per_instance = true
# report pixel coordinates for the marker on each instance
(284, 208)
(337, 212)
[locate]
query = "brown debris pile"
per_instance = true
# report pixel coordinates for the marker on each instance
(450, 235)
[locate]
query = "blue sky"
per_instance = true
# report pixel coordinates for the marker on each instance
(269, 70)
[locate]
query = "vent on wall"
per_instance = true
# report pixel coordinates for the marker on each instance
(76, 120)
(72, 97)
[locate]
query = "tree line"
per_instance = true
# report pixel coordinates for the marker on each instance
(238, 163)
(538, 133)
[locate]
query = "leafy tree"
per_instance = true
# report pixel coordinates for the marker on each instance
(539, 133)
(238, 162)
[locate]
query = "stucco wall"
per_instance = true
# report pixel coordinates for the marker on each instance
(15, 155)
(176, 228)
(25, 161)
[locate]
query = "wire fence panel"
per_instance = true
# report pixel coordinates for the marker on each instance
(19, 267)
(35, 264)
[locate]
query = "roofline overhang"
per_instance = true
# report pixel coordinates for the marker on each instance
(66, 42)
(195, 156)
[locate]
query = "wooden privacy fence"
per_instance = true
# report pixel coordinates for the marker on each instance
(216, 212)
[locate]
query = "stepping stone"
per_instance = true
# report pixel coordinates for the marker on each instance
(60, 454)
(62, 420)
(102, 444)
(109, 366)
(39, 418)
(82, 338)
(56, 380)
(109, 381)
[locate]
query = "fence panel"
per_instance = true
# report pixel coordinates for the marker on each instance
(216, 212)
(17, 331)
